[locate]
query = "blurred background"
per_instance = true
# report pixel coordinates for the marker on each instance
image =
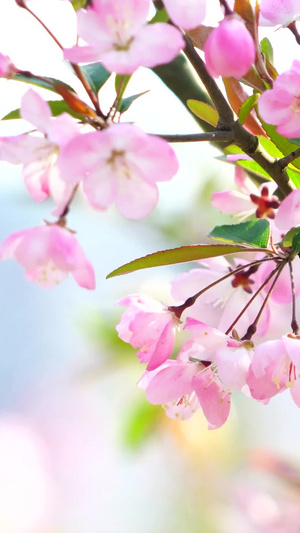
(81, 451)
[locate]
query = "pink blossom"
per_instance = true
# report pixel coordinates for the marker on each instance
(280, 11)
(188, 14)
(119, 165)
(149, 326)
(7, 69)
(229, 49)
(280, 106)
(47, 254)
(275, 368)
(288, 214)
(251, 199)
(117, 34)
(190, 382)
(38, 154)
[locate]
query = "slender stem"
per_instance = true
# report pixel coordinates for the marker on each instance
(252, 328)
(178, 309)
(285, 161)
(75, 67)
(219, 136)
(294, 323)
(67, 206)
(268, 278)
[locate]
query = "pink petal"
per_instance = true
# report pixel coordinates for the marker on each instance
(213, 398)
(170, 383)
(36, 111)
(188, 14)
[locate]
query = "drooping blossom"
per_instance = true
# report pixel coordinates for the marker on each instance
(119, 165)
(188, 14)
(193, 380)
(249, 200)
(7, 68)
(117, 34)
(38, 154)
(48, 253)
(275, 367)
(229, 49)
(280, 11)
(280, 106)
(150, 326)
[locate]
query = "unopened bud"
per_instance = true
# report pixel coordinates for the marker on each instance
(229, 49)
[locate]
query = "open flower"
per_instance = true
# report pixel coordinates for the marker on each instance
(280, 11)
(48, 253)
(117, 34)
(38, 154)
(119, 165)
(281, 105)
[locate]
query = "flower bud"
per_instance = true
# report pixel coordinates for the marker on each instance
(229, 49)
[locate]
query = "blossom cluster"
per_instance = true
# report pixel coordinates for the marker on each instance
(76, 146)
(221, 305)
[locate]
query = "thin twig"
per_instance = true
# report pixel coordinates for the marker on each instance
(285, 161)
(219, 135)
(294, 323)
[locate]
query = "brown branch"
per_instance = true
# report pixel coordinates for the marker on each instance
(218, 136)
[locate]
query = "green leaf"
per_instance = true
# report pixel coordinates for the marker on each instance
(267, 49)
(126, 102)
(204, 111)
(44, 83)
(255, 232)
(295, 141)
(184, 254)
(285, 146)
(288, 238)
(296, 244)
(96, 75)
(160, 16)
(57, 108)
(247, 107)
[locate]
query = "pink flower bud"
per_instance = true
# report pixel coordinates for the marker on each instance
(229, 50)
(7, 69)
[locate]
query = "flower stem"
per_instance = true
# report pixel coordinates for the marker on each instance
(179, 309)
(294, 323)
(253, 326)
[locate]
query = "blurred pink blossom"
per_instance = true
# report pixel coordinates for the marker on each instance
(48, 253)
(7, 69)
(280, 11)
(188, 14)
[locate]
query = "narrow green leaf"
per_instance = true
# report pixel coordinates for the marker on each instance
(255, 232)
(247, 107)
(267, 49)
(294, 175)
(96, 75)
(160, 16)
(121, 82)
(57, 108)
(204, 111)
(45, 82)
(126, 102)
(184, 254)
